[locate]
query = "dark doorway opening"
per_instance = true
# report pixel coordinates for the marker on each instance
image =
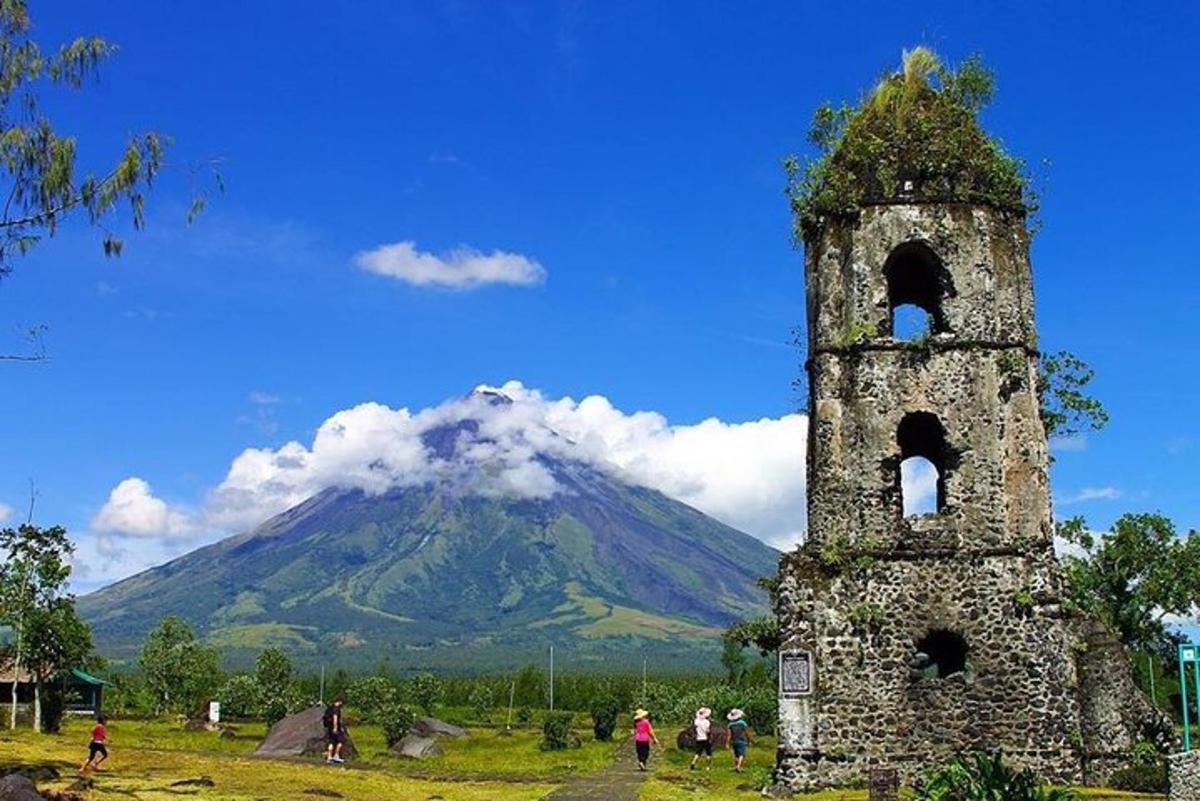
(917, 281)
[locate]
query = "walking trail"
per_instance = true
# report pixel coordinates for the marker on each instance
(618, 782)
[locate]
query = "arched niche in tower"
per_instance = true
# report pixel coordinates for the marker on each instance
(917, 284)
(924, 461)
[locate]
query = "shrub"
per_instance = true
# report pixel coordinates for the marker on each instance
(604, 718)
(1143, 778)
(396, 720)
(985, 778)
(524, 716)
(556, 732)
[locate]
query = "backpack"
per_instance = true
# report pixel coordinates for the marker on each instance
(327, 718)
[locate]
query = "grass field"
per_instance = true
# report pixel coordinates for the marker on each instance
(150, 758)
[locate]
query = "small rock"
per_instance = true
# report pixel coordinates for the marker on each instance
(432, 727)
(414, 746)
(321, 791)
(203, 781)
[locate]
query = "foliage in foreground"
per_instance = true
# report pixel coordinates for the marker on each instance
(556, 732)
(985, 777)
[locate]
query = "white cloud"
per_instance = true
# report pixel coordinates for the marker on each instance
(1074, 443)
(6, 512)
(260, 398)
(461, 268)
(133, 510)
(1090, 494)
(749, 475)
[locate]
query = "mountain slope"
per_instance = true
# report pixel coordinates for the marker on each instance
(432, 575)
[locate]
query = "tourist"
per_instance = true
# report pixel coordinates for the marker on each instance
(739, 737)
(643, 735)
(335, 731)
(98, 746)
(702, 728)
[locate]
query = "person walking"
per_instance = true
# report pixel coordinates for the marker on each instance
(97, 747)
(643, 735)
(739, 737)
(335, 731)
(702, 726)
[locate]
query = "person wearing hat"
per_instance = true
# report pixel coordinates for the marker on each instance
(643, 734)
(702, 726)
(739, 737)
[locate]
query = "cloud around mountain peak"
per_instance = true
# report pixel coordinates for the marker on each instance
(494, 441)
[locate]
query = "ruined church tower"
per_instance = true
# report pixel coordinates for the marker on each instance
(910, 637)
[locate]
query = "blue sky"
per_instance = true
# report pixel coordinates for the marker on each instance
(632, 153)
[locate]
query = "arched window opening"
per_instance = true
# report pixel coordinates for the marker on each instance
(919, 480)
(941, 653)
(923, 462)
(916, 277)
(910, 323)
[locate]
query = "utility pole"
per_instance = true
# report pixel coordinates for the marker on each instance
(1150, 670)
(551, 678)
(512, 694)
(322, 692)
(644, 699)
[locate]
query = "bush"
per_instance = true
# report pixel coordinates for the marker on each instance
(556, 732)
(396, 720)
(1144, 778)
(985, 778)
(524, 716)
(604, 718)
(53, 708)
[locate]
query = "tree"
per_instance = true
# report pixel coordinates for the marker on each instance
(1133, 576)
(40, 178)
(424, 690)
(273, 672)
(179, 671)
(1067, 409)
(33, 595)
(55, 640)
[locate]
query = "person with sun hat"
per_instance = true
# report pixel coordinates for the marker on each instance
(739, 737)
(643, 735)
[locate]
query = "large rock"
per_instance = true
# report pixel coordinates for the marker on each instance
(414, 746)
(687, 738)
(432, 727)
(301, 734)
(15, 787)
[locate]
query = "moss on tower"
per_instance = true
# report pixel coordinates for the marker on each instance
(915, 137)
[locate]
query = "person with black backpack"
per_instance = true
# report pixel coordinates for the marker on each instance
(335, 731)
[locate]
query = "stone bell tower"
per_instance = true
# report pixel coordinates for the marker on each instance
(909, 637)
(912, 633)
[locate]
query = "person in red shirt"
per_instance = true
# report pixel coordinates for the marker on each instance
(97, 746)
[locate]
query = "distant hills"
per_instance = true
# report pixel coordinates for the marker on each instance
(435, 576)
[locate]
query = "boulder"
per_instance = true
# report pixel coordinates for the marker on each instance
(15, 787)
(36, 773)
(432, 727)
(301, 734)
(686, 741)
(414, 746)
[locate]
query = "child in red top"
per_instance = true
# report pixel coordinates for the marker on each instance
(97, 746)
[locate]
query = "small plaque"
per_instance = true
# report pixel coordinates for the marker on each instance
(885, 784)
(795, 673)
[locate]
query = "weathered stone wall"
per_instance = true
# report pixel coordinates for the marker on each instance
(1184, 773)
(871, 584)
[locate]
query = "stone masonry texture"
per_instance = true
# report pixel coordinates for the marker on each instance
(944, 632)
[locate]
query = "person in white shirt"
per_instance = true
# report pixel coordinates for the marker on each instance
(702, 726)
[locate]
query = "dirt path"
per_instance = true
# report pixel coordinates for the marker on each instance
(618, 782)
